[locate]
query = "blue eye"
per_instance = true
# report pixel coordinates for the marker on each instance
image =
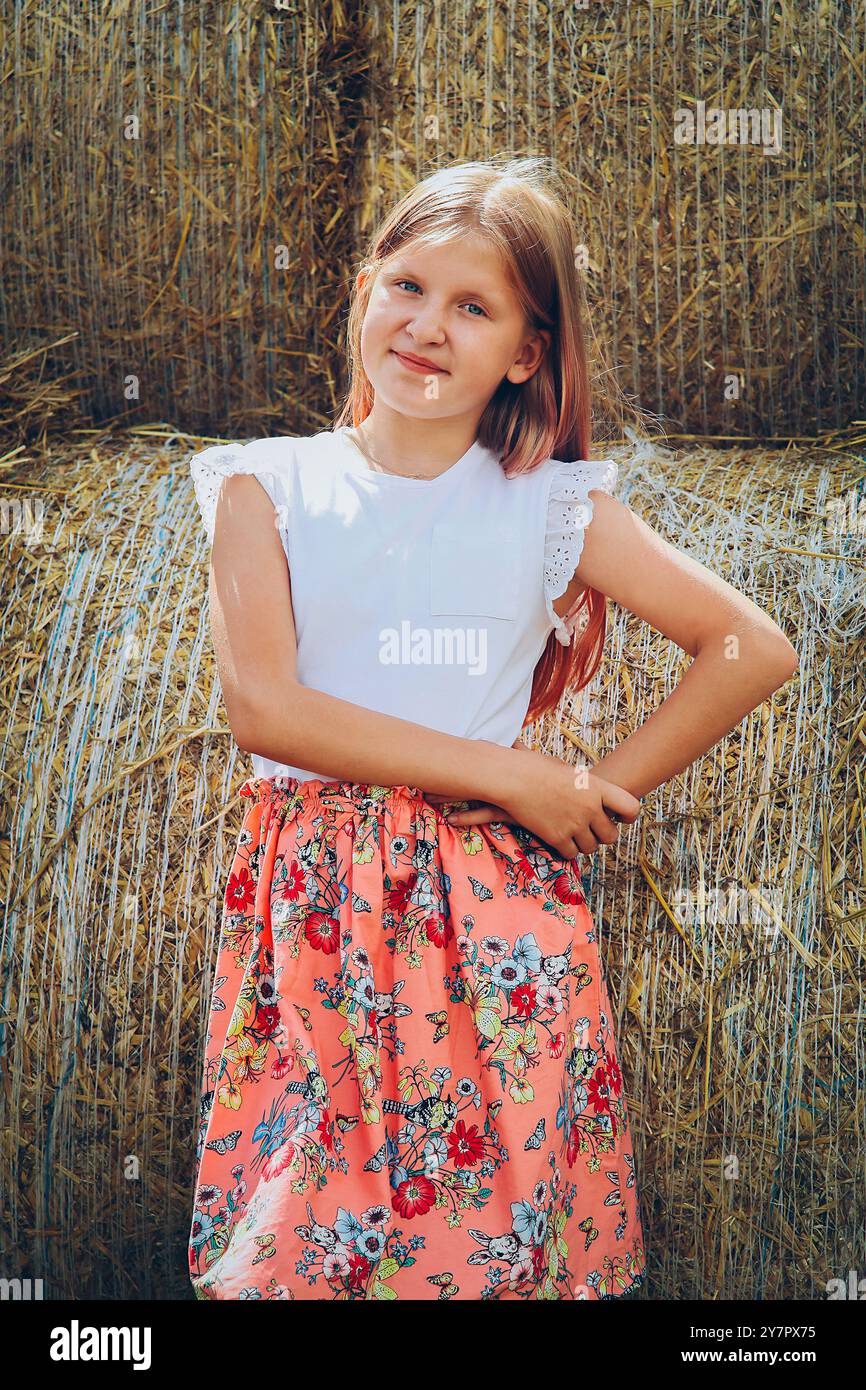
(399, 283)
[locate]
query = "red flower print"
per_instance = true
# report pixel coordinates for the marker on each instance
(325, 1131)
(268, 1020)
(523, 1000)
(567, 888)
(465, 1147)
(397, 898)
(573, 1146)
(614, 1073)
(359, 1271)
(439, 932)
(523, 865)
(240, 891)
(323, 932)
(556, 1045)
(414, 1197)
(599, 1091)
(282, 1067)
(293, 883)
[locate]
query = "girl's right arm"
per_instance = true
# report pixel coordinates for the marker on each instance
(273, 715)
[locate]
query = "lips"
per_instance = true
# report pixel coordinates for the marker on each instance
(417, 364)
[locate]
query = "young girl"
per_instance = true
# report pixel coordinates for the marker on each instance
(411, 1085)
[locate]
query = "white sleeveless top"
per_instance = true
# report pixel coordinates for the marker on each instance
(427, 599)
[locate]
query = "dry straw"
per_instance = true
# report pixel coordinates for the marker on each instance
(739, 1020)
(145, 262)
(199, 182)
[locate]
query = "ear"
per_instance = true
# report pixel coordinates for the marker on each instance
(531, 356)
(545, 335)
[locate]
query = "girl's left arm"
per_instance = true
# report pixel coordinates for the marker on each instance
(741, 655)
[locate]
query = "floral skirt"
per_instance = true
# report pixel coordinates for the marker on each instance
(411, 1087)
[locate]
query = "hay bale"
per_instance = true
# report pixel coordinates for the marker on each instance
(737, 1018)
(206, 280)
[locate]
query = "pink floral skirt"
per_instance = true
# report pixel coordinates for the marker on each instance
(411, 1087)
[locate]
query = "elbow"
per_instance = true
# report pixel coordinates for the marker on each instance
(763, 644)
(242, 733)
(785, 660)
(767, 651)
(243, 738)
(256, 727)
(248, 726)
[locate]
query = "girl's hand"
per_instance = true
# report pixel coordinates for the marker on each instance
(476, 815)
(568, 808)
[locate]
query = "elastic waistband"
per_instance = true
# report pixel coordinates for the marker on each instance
(318, 794)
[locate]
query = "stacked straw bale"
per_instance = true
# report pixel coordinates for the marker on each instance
(739, 1018)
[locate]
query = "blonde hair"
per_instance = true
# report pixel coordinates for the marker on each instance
(515, 206)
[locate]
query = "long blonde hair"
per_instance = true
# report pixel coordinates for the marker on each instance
(522, 215)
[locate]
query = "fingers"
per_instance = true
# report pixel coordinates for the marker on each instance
(617, 802)
(483, 812)
(566, 849)
(479, 815)
(603, 828)
(586, 843)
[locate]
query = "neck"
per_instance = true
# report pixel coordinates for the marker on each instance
(391, 441)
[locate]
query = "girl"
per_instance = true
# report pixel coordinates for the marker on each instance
(411, 1085)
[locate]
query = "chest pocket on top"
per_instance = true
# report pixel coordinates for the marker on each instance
(478, 578)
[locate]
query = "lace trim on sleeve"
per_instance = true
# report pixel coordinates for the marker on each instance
(210, 466)
(569, 512)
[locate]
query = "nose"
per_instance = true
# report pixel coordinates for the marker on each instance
(425, 327)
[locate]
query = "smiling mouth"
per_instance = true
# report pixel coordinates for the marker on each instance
(417, 366)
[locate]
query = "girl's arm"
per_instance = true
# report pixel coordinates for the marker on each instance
(741, 655)
(274, 716)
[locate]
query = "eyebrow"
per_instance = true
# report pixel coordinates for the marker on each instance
(407, 273)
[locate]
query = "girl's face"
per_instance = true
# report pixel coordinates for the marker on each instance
(452, 306)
